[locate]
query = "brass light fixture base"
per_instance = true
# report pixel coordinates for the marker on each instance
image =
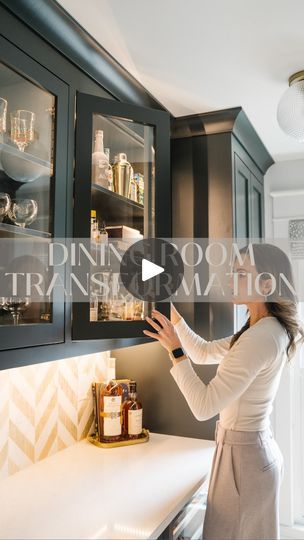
(296, 77)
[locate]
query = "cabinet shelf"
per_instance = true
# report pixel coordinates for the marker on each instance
(119, 199)
(13, 150)
(115, 209)
(13, 231)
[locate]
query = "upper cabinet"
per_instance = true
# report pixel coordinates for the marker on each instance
(84, 154)
(33, 141)
(218, 165)
(122, 195)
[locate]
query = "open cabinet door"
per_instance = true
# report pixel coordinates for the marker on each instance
(122, 191)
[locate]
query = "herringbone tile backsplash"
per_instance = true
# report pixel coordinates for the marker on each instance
(46, 407)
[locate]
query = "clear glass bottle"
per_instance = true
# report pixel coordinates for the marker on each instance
(103, 234)
(100, 161)
(110, 171)
(110, 412)
(132, 414)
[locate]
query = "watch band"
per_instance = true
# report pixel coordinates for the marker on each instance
(177, 352)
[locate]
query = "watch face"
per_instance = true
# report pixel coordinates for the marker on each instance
(178, 352)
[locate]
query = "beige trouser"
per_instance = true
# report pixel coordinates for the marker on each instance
(244, 487)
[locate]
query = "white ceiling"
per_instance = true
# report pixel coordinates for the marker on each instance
(199, 55)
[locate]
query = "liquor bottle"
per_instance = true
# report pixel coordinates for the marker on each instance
(132, 414)
(100, 161)
(103, 235)
(110, 171)
(94, 226)
(93, 308)
(110, 412)
(139, 179)
(133, 190)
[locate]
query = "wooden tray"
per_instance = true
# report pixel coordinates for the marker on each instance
(125, 442)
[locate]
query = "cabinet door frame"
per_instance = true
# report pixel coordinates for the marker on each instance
(241, 168)
(30, 335)
(253, 183)
(86, 106)
(256, 185)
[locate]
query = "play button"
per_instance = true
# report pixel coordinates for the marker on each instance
(151, 269)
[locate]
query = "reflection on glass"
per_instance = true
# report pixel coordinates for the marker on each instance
(3, 110)
(23, 212)
(16, 306)
(5, 202)
(22, 128)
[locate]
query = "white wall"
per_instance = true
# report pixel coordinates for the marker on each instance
(284, 200)
(283, 176)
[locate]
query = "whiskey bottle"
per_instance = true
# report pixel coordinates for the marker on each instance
(110, 412)
(132, 414)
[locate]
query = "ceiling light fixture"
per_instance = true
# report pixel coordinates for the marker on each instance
(290, 114)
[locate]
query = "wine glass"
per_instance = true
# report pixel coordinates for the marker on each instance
(16, 305)
(23, 212)
(5, 202)
(22, 128)
(3, 109)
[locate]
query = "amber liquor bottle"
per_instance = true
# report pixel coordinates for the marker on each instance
(110, 412)
(132, 414)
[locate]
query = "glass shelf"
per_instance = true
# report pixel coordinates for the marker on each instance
(14, 231)
(25, 160)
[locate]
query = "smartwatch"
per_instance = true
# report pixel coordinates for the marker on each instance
(178, 352)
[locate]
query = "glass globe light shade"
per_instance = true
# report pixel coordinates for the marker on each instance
(290, 113)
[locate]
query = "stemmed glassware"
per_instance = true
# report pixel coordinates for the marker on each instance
(15, 305)
(22, 128)
(23, 212)
(5, 202)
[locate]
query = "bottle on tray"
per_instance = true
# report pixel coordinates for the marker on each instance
(110, 412)
(132, 414)
(118, 413)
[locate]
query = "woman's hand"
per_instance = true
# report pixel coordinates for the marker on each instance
(166, 335)
(175, 316)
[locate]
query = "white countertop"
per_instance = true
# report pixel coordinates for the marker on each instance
(112, 493)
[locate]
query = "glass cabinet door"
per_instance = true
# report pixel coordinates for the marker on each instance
(32, 141)
(122, 196)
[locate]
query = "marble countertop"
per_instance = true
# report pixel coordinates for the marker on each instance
(87, 492)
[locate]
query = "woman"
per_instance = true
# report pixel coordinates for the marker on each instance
(247, 467)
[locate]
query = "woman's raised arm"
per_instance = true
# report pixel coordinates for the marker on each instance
(197, 348)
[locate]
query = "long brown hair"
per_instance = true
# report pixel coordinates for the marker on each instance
(269, 259)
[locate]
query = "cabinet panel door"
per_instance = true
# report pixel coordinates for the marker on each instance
(241, 194)
(122, 192)
(33, 145)
(257, 208)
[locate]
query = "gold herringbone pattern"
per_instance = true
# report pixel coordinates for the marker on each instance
(45, 408)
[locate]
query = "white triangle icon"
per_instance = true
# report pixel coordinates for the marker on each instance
(150, 269)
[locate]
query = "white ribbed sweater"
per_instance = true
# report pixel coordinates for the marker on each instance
(247, 378)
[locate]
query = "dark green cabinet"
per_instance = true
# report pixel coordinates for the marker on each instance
(218, 163)
(33, 168)
(50, 64)
(249, 201)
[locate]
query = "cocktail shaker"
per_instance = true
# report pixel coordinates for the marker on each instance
(122, 171)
